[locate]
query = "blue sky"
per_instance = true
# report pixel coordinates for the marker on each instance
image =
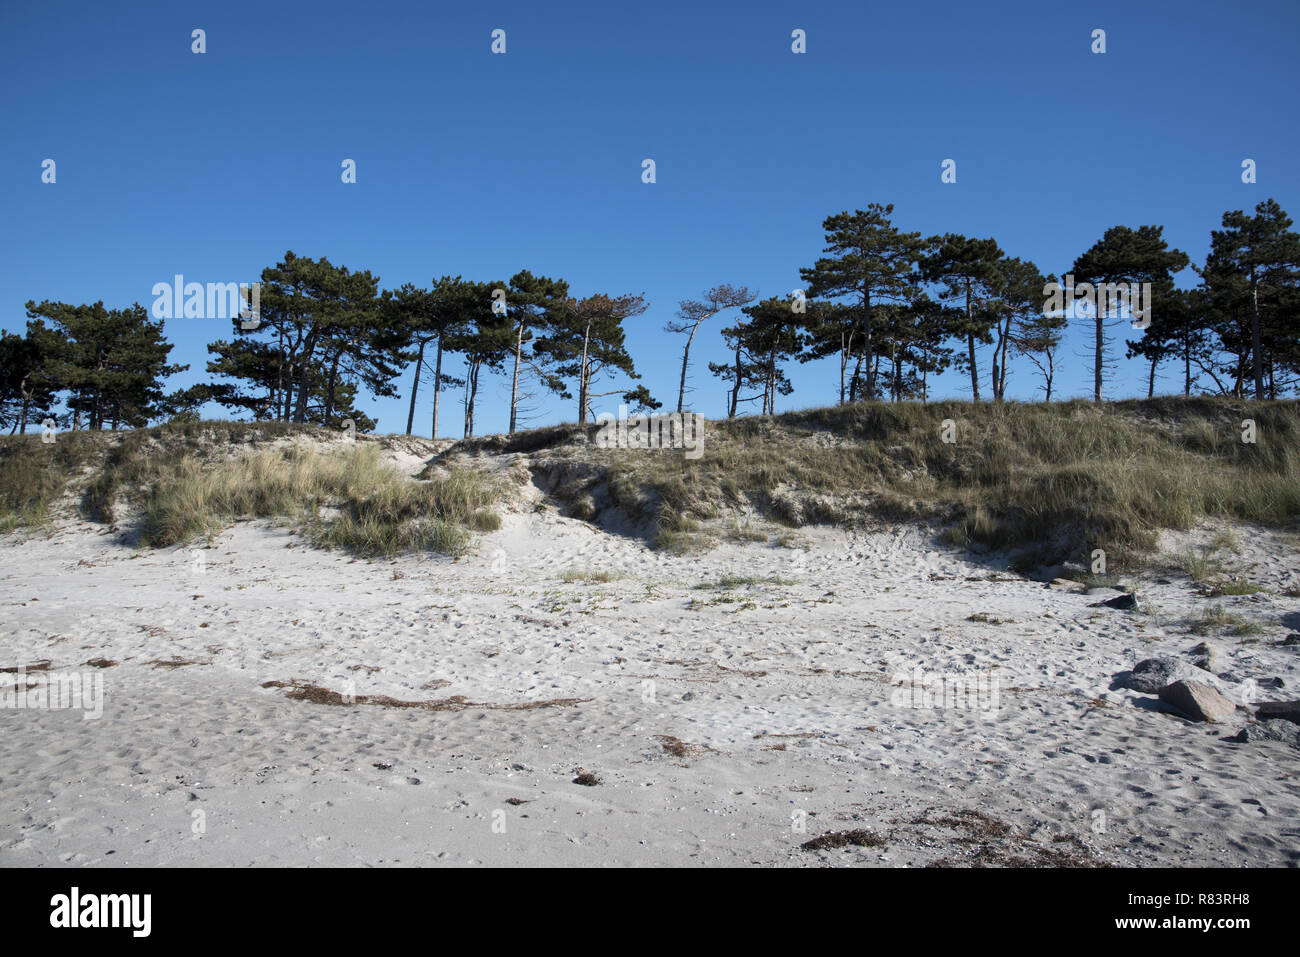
(467, 162)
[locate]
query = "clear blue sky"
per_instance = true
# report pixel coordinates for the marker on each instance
(213, 165)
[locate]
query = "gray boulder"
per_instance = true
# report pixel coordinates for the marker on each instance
(1272, 729)
(1198, 701)
(1284, 710)
(1152, 674)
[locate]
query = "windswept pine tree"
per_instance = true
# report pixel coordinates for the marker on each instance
(931, 324)
(966, 270)
(322, 335)
(1254, 268)
(1017, 300)
(912, 335)
(586, 339)
(437, 317)
(692, 312)
(1181, 331)
(870, 262)
(832, 329)
(769, 334)
(533, 305)
(486, 342)
(1124, 256)
(26, 392)
(110, 362)
(1038, 338)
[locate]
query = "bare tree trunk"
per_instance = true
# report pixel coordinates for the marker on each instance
(1096, 369)
(584, 378)
(735, 391)
(471, 390)
(686, 354)
(970, 347)
(331, 382)
(1004, 334)
(514, 385)
(1256, 337)
(415, 387)
(437, 388)
(846, 350)
(867, 350)
(300, 410)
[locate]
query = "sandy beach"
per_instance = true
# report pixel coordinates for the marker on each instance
(268, 703)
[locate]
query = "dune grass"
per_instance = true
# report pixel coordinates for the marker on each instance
(33, 474)
(197, 478)
(1046, 482)
(1051, 482)
(347, 498)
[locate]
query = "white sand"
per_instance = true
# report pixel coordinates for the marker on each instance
(789, 685)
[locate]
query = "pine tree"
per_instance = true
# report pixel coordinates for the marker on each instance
(692, 312)
(534, 304)
(870, 262)
(1017, 299)
(1123, 256)
(1038, 338)
(110, 361)
(486, 341)
(437, 317)
(1259, 255)
(26, 393)
(967, 272)
(769, 334)
(322, 335)
(586, 340)
(831, 329)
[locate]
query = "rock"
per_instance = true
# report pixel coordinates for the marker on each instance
(1272, 729)
(1064, 584)
(1203, 656)
(1125, 602)
(1152, 674)
(1286, 710)
(1291, 640)
(1199, 702)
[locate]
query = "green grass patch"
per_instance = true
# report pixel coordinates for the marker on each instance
(727, 582)
(1216, 620)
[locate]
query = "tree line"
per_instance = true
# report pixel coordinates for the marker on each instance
(896, 309)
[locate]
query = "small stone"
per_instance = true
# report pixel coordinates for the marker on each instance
(1125, 602)
(1203, 656)
(1064, 584)
(1285, 710)
(1198, 701)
